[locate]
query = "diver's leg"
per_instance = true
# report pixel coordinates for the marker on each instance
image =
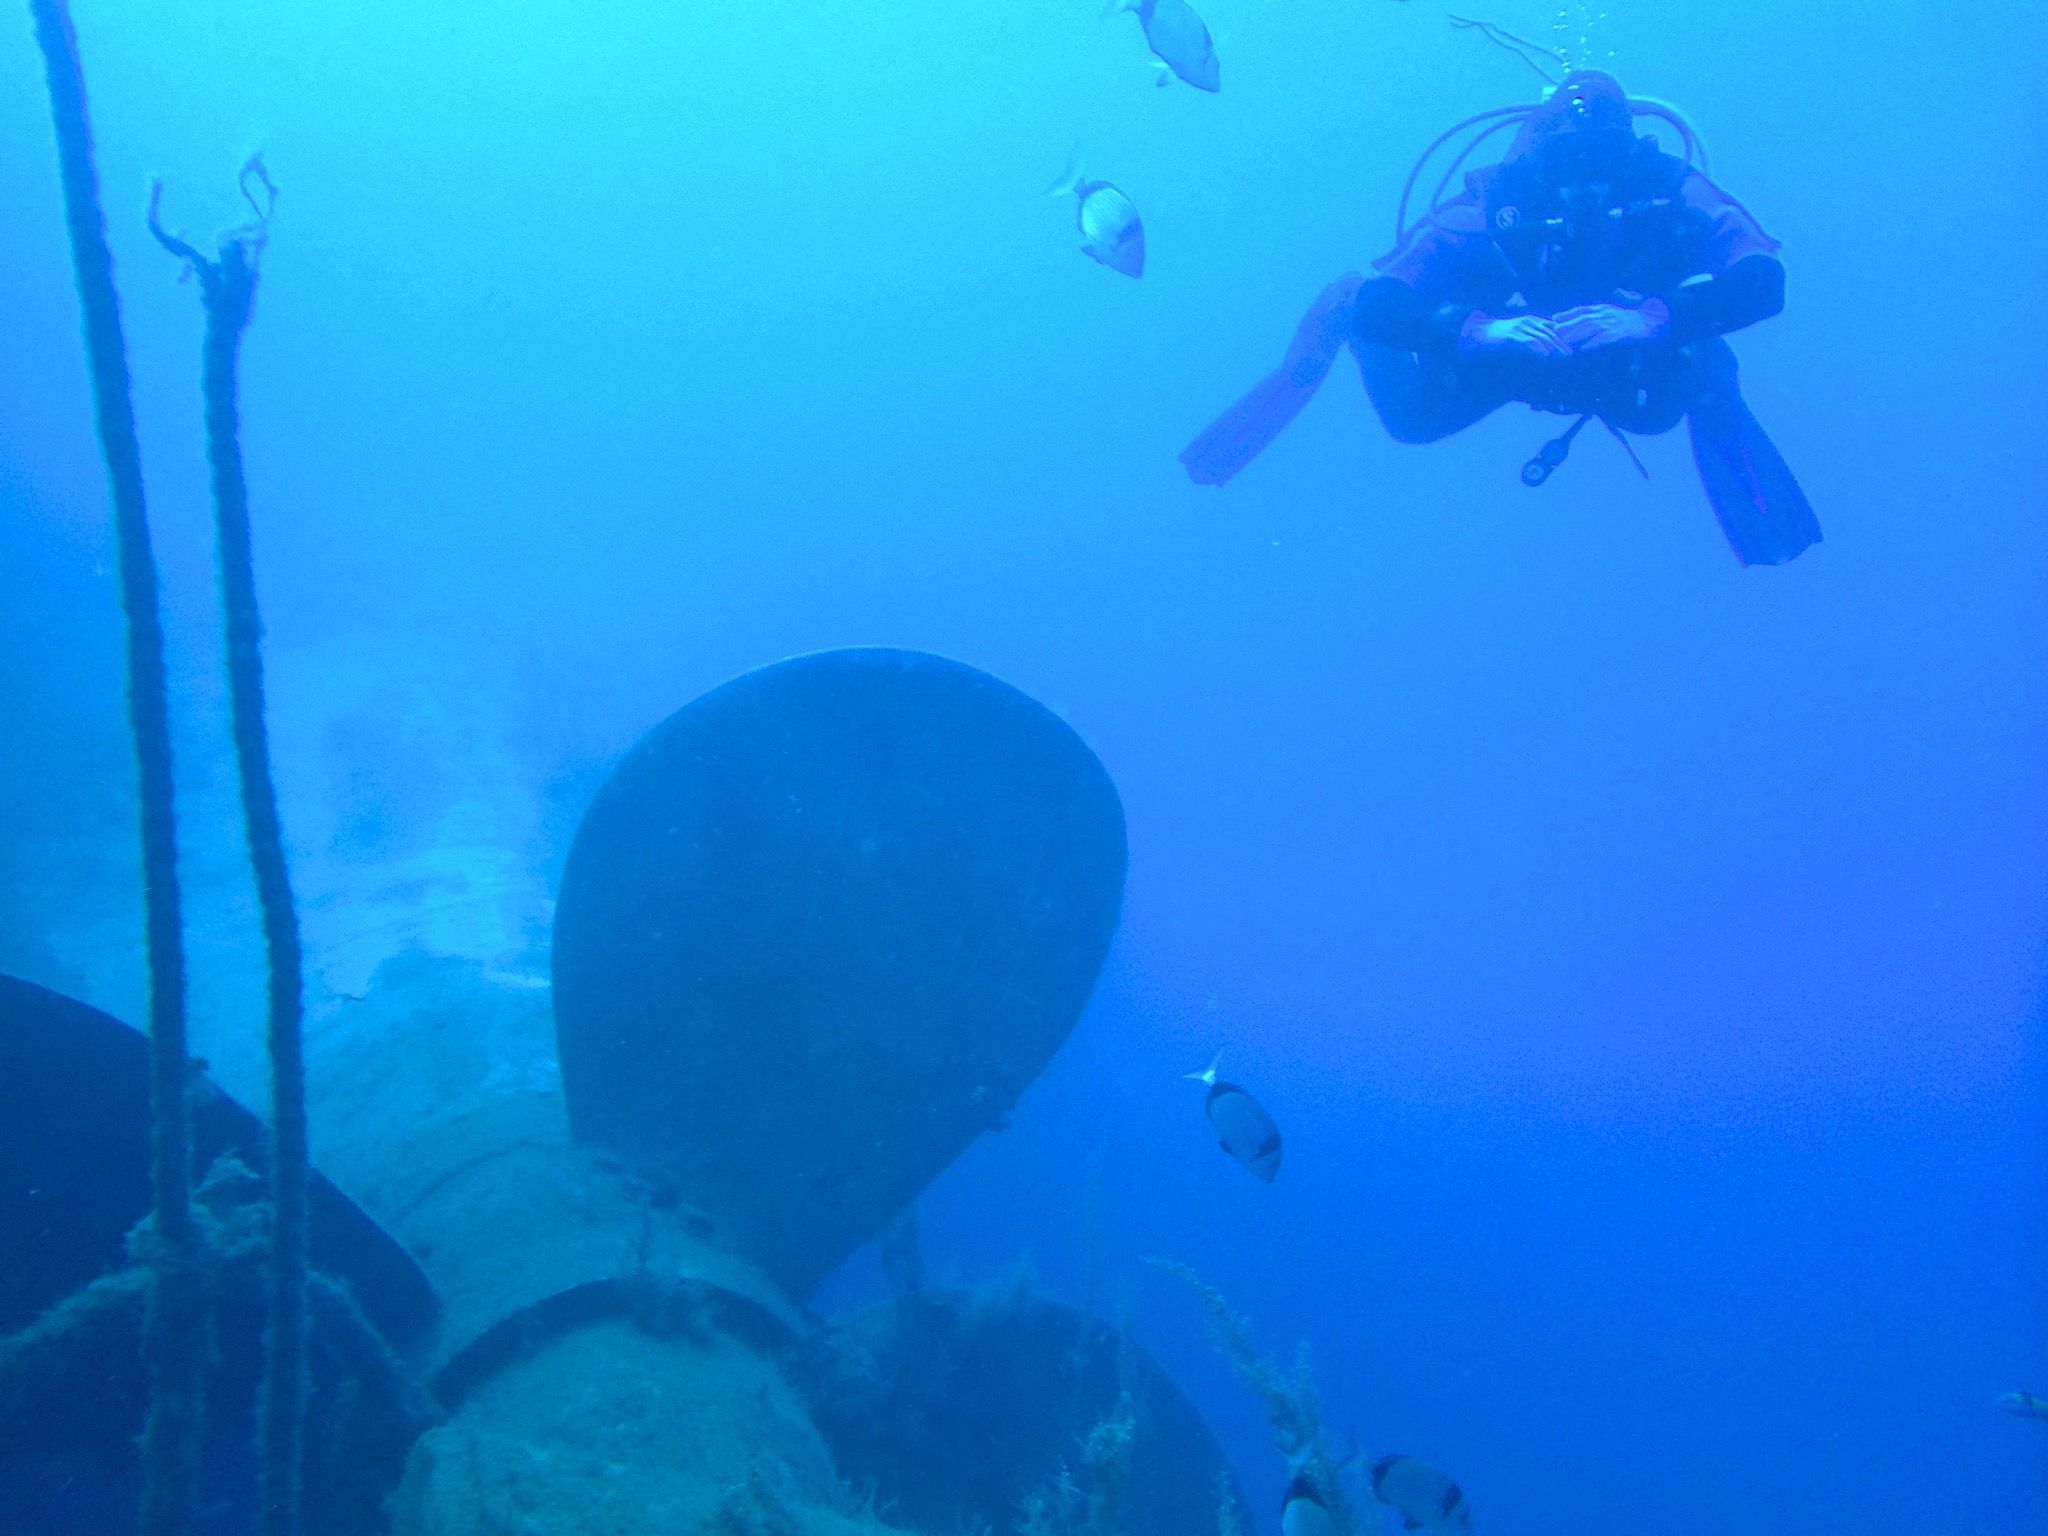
(1424, 400)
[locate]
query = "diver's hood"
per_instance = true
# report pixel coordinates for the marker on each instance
(1588, 106)
(1578, 149)
(1581, 133)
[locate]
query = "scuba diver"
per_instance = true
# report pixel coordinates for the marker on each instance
(1590, 274)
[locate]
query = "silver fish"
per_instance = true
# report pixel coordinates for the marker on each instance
(1243, 1128)
(1302, 1511)
(1425, 1499)
(2025, 1404)
(1176, 34)
(1111, 230)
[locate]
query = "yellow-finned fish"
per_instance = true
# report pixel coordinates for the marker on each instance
(2024, 1404)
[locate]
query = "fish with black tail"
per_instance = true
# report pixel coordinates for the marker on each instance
(1425, 1498)
(1111, 231)
(1177, 37)
(1303, 1510)
(1243, 1128)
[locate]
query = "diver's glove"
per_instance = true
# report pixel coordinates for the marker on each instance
(1592, 326)
(1482, 332)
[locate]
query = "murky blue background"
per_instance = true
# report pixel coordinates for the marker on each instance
(1643, 957)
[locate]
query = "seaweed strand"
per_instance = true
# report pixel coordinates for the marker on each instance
(1293, 1410)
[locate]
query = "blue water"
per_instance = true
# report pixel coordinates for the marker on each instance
(1642, 956)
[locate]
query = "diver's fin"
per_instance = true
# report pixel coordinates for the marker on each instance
(1241, 433)
(1262, 413)
(1765, 515)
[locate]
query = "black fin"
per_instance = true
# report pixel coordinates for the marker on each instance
(1762, 510)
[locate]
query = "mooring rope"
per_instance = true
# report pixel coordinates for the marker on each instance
(227, 285)
(174, 1339)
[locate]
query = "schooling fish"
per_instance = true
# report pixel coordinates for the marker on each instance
(1176, 34)
(2025, 1404)
(1243, 1128)
(1111, 231)
(1302, 1511)
(1424, 1497)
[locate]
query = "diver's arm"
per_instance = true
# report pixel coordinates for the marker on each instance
(1433, 291)
(1390, 312)
(1741, 280)
(1708, 305)
(1752, 289)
